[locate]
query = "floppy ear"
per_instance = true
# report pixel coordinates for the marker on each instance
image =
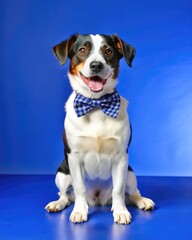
(125, 49)
(61, 50)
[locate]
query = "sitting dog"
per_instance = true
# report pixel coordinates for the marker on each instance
(97, 132)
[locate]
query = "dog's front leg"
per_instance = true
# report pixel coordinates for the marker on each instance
(80, 210)
(119, 173)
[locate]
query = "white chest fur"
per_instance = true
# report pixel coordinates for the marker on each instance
(96, 137)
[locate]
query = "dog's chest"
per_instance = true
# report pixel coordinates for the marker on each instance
(96, 138)
(96, 132)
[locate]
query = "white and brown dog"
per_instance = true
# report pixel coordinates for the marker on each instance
(97, 132)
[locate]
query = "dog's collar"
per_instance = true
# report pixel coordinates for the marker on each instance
(109, 104)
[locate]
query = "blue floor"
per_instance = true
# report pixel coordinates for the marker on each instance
(22, 214)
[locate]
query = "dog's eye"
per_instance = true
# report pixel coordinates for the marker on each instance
(83, 51)
(108, 52)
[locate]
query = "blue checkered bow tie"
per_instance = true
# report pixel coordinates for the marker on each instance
(109, 104)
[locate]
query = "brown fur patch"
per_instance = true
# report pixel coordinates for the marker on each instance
(74, 69)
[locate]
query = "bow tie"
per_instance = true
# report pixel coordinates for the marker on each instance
(109, 104)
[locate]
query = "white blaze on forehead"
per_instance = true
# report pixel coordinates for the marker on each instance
(97, 42)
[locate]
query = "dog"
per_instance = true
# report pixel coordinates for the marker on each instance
(97, 133)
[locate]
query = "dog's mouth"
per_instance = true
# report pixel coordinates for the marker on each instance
(95, 83)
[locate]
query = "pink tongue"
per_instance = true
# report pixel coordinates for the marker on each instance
(95, 85)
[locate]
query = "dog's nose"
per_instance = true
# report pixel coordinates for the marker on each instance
(96, 66)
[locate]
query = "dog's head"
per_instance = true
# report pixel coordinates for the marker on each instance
(94, 61)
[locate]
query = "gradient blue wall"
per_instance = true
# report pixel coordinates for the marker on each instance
(34, 88)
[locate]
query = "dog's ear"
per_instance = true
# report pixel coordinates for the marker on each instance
(125, 49)
(61, 50)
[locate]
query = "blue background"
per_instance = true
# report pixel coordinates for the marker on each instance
(34, 88)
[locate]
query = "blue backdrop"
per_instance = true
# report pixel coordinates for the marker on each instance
(34, 88)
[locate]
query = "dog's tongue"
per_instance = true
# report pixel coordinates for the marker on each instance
(95, 85)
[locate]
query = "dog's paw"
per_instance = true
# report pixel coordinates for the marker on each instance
(77, 217)
(54, 206)
(145, 203)
(58, 205)
(141, 202)
(123, 217)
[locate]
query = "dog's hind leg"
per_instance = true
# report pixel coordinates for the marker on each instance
(134, 196)
(63, 182)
